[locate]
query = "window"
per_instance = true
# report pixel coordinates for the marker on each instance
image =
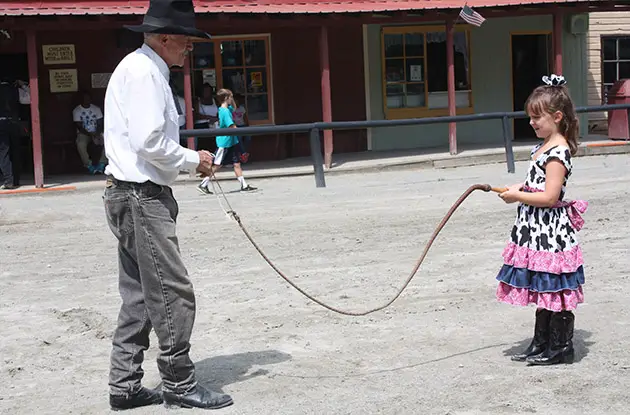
(415, 71)
(239, 64)
(615, 61)
(244, 72)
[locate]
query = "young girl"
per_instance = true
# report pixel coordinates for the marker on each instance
(228, 151)
(240, 119)
(543, 261)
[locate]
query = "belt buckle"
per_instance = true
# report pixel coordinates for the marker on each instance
(109, 182)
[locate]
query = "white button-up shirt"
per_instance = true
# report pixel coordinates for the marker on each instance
(142, 124)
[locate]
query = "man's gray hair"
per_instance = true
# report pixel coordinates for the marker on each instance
(149, 36)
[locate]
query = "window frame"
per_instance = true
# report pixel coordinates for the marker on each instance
(616, 61)
(218, 63)
(421, 112)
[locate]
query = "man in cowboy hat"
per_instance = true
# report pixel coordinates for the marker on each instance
(145, 157)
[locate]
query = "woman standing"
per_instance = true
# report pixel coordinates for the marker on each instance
(206, 112)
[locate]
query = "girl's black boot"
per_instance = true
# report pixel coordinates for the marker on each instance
(560, 348)
(541, 336)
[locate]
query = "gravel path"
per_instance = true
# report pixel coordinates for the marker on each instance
(440, 349)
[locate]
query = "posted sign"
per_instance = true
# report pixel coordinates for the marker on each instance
(100, 80)
(58, 54)
(63, 80)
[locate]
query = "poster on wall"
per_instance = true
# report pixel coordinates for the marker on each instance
(256, 78)
(58, 54)
(415, 73)
(210, 77)
(63, 80)
(100, 80)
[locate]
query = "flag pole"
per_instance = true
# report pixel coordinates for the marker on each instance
(457, 18)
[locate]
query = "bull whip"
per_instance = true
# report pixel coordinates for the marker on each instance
(231, 213)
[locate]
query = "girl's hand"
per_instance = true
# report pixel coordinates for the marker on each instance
(511, 195)
(517, 187)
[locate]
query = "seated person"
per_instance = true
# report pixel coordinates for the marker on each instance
(88, 119)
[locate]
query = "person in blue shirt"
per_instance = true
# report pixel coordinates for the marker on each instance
(228, 151)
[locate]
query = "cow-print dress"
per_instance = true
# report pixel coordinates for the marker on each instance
(543, 262)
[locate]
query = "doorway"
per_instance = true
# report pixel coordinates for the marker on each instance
(14, 67)
(531, 60)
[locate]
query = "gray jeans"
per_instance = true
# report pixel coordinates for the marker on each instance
(154, 286)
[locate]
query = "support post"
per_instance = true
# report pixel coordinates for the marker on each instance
(557, 43)
(324, 62)
(366, 86)
(316, 153)
(507, 141)
(36, 131)
(450, 81)
(188, 102)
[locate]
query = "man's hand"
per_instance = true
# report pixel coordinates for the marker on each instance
(205, 163)
(98, 139)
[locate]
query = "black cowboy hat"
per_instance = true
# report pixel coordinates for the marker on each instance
(170, 17)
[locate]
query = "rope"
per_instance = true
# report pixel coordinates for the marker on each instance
(231, 213)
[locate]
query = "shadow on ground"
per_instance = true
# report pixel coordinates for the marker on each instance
(219, 371)
(580, 344)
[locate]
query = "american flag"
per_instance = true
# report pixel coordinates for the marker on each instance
(471, 16)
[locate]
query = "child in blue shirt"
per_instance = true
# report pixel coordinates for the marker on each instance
(228, 151)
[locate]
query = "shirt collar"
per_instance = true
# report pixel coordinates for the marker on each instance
(162, 66)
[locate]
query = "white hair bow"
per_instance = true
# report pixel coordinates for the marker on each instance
(554, 80)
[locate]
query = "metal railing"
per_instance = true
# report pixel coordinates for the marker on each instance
(315, 127)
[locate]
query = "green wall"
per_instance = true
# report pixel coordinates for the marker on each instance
(491, 74)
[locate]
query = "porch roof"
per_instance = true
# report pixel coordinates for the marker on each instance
(138, 7)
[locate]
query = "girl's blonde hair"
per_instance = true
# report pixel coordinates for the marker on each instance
(223, 95)
(551, 98)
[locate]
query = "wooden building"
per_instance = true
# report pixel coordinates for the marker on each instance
(303, 61)
(608, 58)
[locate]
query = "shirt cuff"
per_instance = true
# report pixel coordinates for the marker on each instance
(191, 160)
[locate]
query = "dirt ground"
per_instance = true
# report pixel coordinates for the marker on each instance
(442, 348)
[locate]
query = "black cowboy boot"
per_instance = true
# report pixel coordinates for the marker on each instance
(541, 336)
(560, 349)
(143, 397)
(198, 397)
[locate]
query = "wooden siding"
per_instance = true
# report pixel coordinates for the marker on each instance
(601, 24)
